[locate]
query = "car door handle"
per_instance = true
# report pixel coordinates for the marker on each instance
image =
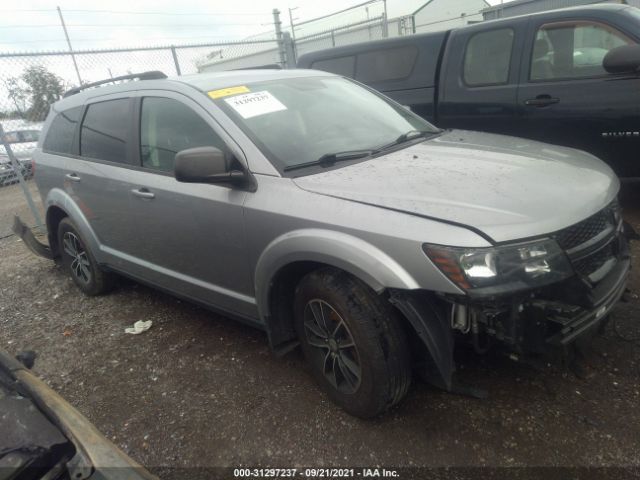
(143, 193)
(541, 101)
(73, 177)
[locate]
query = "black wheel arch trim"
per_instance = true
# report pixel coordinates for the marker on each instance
(434, 331)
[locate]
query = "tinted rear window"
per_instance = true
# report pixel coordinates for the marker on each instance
(388, 64)
(344, 66)
(104, 133)
(59, 137)
(488, 57)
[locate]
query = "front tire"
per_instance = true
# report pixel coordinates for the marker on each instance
(354, 342)
(78, 260)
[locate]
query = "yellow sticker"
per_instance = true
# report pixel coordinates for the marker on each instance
(225, 92)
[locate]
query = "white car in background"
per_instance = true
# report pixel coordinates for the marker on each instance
(22, 142)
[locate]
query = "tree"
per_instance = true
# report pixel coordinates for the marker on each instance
(17, 95)
(43, 89)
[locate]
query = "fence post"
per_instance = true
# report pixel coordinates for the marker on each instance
(281, 47)
(385, 21)
(289, 49)
(18, 168)
(175, 60)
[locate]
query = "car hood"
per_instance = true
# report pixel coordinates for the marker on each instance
(508, 188)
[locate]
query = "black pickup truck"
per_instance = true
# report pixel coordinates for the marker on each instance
(567, 76)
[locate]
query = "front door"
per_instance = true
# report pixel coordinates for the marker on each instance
(567, 98)
(185, 237)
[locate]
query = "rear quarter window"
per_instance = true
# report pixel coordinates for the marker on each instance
(487, 58)
(344, 66)
(387, 64)
(60, 135)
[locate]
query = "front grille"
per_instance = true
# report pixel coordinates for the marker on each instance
(586, 266)
(576, 235)
(585, 230)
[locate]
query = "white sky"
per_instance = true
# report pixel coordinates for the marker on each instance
(34, 24)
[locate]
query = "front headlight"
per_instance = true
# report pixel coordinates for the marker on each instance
(499, 269)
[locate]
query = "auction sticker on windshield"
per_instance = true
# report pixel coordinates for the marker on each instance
(225, 92)
(254, 104)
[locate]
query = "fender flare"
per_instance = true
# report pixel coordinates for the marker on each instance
(62, 200)
(341, 250)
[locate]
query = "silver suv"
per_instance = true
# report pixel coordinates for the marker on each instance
(334, 218)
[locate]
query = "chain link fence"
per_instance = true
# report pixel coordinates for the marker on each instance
(31, 82)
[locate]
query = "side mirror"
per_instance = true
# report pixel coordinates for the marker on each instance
(205, 165)
(625, 59)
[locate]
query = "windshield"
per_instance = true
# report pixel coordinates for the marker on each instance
(298, 120)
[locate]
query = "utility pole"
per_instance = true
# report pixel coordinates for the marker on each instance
(281, 47)
(73, 57)
(291, 19)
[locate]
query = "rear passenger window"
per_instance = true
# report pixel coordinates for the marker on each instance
(59, 137)
(168, 126)
(488, 57)
(105, 131)
(344, 66)
(388, 64)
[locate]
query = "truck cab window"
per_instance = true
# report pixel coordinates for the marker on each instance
(488, 57)
(340, 66)
(573, 50)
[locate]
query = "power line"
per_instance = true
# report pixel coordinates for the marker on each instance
(126, 12)
(111, 39)
(136, 25)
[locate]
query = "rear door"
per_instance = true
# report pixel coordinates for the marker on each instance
(479, 80)
(97, 178)
(567, 97)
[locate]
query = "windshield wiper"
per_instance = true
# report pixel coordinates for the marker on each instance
(328, 159)
(407, 136)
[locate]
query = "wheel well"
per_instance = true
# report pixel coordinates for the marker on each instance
(54, 216)
(281, 329)
(283, 289)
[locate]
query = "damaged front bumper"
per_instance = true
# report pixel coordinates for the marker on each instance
(533, 322)
(554, 316)
(30, 240)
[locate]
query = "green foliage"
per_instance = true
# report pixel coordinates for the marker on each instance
(38, 88)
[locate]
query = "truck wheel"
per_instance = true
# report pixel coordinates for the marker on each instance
(353, 341)
(80, 262)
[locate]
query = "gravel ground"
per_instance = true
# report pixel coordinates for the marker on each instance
(199, 390)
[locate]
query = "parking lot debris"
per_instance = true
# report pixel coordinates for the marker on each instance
(139, 327)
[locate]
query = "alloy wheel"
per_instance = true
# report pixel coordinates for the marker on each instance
(80, 265)
(334, 347)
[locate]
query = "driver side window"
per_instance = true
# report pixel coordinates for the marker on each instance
(573, 50)
(168, 126)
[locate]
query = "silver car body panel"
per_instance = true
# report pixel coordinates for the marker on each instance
(223, 246)
(508, 188)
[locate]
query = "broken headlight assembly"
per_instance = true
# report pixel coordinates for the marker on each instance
(495, 270)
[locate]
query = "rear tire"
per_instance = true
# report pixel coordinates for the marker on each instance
(78, 260)
(354, 342)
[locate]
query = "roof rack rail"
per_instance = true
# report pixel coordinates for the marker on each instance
(151, 75)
